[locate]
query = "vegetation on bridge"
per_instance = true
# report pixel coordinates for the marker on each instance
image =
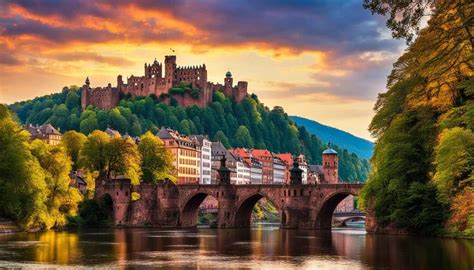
(423, 164)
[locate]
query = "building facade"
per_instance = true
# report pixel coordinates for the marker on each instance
(186, 153)
(205, 161)
(266, 158)
(278, 170)
(46, 133)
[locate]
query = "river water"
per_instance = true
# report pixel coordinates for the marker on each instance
(262, 247)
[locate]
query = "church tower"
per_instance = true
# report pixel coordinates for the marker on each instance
(330, 165)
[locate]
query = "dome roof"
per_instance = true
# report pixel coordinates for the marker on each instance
(329, 151)
(228, 74)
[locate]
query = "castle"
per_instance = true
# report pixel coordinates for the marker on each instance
(153, 82)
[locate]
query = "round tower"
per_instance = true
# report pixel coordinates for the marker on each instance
(330, 165)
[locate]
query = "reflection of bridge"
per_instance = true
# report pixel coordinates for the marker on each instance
(340, 218)
(167, 204)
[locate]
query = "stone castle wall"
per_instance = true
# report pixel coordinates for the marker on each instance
(153, 82)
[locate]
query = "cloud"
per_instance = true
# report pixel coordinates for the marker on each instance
(91, 56)
(337, 26)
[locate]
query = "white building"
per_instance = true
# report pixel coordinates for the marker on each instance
(278, 170)
(205, 162)
(255, 171)
(243, 172)
(304, 166)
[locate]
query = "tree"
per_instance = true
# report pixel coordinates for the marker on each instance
(156, 161)
(405, 16)
(61, 200)
(454, 162)
(123, 158)
(22, 182)
(243, 138)
(73, 142)
(220, 137)
(94, 154)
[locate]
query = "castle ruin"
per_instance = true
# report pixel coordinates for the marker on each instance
(153, 82)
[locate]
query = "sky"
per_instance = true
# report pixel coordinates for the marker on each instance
(323, 60)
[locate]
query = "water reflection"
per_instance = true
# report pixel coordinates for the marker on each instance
(261, 247)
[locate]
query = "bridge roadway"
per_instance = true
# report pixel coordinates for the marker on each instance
(168, 204)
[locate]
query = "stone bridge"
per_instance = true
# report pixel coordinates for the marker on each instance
(167, 204)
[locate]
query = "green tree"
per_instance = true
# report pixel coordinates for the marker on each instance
(454, 162)
(94, 154)
(220, 137)
(123, 158)
(73, 142)
(156, 161)
(61, 199)
(22, 182)
(243, 138)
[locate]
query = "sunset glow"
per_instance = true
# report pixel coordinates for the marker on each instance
(323, 60)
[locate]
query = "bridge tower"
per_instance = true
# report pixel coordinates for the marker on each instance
(330, 165)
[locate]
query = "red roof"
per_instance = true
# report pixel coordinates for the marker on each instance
(287, 158)
(261, 153)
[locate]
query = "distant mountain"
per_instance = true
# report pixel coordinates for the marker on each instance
(363, 148)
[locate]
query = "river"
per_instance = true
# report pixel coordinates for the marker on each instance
(261, 247)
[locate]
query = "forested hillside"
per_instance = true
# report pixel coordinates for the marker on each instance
(423, 164)
(363, 148)
(245, 124)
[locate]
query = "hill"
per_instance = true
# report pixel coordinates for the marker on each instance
(363, 148)
(246, 124)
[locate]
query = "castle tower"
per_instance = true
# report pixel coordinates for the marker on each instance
(85, 94)
(330, 165)
(154, 70)
(170, 70)
(228, 81)
(119, 82)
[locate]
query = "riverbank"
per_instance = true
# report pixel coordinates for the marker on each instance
(8, 226)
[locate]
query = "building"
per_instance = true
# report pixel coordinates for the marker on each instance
(45, 132)
(159, 84)
(330, 166)
(205, 159)
(304, 166)
(102, 97)
(187, 155)
(315, 174)
(113, 133)
(255, 171)
(254, 165)
(266, 158)
(243, 172)
(78, 182)
(218, 151)
(287, 159)
(279, 168)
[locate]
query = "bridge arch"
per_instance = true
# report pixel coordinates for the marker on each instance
(189, 211)
(329, 204)
(244, 210)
